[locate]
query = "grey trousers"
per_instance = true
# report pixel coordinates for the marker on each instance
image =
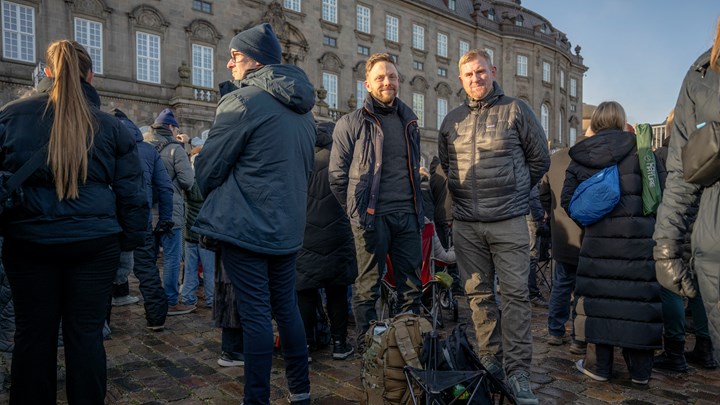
(483, 250)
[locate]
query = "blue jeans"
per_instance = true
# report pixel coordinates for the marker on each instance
(673, 308)
(194, 254)
(265, 288)
(559, 306)
(172, 246)
(126, 266)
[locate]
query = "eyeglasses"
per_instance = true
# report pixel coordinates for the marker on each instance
(234, 57)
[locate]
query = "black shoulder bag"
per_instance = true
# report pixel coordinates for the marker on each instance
(11, 195)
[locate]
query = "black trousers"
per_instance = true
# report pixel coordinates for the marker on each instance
(146, 270)
(599, 360)
(72, 282)
(337, 311)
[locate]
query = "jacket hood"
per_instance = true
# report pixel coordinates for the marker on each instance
(603, 149)
(287, 83)
(324, 134)
(132, 128)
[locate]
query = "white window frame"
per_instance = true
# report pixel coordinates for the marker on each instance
(202, 66)
(451, 4)
(561, 118)
(562, 79)
(522, 65)
(89, 34)
(418, 38)
(360, 92)
(18, 31)
(519, 21)
(442, 44)
(392, 26)
(573, 87)
(463, 48)
(146, 58)
(294, 5)
(545, 118)
(492, 56)
(418, 101)
(491, 14)
(330, 83)
(329, 11)
(363, 23)
(547, 69)
(442, 110)
(572, 137)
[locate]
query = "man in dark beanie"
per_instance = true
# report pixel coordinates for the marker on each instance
(163, 136)
(253, 171)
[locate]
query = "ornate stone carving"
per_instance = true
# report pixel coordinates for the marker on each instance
(321, 94)
(275, 16)
(96, 8)
(419, 83)
(359, 71)
(184, 71)
(148, 17)
(330, 61)
(443, 89)
(202, 30)
(352, 102)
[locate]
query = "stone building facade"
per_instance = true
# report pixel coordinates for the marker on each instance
(150, 54)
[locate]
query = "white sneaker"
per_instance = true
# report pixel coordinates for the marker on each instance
(125, 300)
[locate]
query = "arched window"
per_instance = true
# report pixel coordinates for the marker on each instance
(545, 118)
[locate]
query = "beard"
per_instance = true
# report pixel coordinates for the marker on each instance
(385, 95)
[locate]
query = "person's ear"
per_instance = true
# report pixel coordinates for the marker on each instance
(90, 77)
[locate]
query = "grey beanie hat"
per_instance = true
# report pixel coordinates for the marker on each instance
(259, 43)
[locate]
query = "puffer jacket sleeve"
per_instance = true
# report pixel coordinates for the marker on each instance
(226, 141)
(341, 157)
(162, 185)
(679, 198)
(534, 143)
(129, 189)
(183, 170)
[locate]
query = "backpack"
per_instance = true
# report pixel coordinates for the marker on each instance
(455, 353)
(390, 344)
(596, 197)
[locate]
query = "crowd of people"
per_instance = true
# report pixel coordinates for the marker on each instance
(284, 214)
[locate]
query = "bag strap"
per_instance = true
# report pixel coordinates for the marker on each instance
(405, 344)
(17, 179)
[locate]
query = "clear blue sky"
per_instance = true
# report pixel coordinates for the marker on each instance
(637, 51)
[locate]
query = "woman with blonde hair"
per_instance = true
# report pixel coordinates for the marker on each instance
(698, 106)
(618, 298)
(62, 242)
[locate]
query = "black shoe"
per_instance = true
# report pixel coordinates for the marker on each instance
(230, 359)
(702, 354)
(673, 358)
(342, 350)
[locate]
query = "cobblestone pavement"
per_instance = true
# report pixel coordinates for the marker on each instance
(179, 366)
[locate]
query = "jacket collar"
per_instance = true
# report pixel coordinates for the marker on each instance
(91, 94)
(487, 101)
(406, 113)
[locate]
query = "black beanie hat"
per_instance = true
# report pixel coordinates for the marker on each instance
(259, 43)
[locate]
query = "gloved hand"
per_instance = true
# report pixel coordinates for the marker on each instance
(163, 227)
(209, 243)
(672, 272)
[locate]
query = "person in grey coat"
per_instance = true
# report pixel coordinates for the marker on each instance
(253, 172)
(698, 105)
(494, 151)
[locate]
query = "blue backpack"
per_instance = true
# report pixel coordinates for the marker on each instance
(596, 197)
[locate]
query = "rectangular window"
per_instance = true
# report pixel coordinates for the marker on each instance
(394, 57)
(464, 47)
(492, 55)
(562, 79)
(363, 19)
(330, 82)
(451, 4)
(329, 11)
(329, 41)
(418, 40)
(147, 47)
(417, 65)
(442, 42)
(573, 88)
(18, 32)
(201, 5)
(419, 108)
(360, 92)
(294, 5)
(391, 28)
(522, 65)
(546, 72)
(202, 69)
(89, 34)
(442, 72)
(363, 50)
(573, 108)
(442, 109)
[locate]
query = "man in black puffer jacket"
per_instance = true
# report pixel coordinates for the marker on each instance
(327, 258)
(494, 151)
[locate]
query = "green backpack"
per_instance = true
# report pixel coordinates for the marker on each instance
(391, 344)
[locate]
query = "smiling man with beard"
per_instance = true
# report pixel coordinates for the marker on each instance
(494, 152)
(374, 173)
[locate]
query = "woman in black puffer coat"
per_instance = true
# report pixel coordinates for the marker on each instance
(327, 258)
(618, 297)
(62, 243)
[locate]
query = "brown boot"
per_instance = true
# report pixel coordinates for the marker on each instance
(702, 354)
